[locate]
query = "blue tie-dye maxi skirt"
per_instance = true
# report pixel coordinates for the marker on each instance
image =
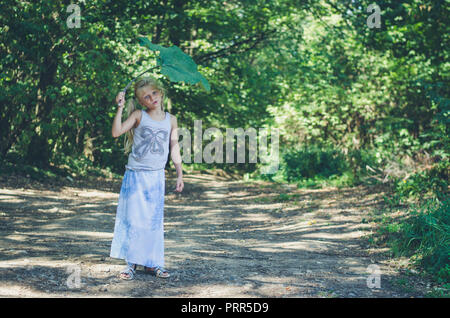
(139, 229)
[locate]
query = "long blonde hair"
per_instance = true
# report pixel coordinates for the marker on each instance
(133, 102)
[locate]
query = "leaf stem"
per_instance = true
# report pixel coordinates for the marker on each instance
(129, 84)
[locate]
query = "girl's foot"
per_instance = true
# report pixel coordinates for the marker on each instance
(156, 271)
(129, 272)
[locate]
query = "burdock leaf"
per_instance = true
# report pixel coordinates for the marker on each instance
(176, 65)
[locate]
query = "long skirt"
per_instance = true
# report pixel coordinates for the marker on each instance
(139, 226)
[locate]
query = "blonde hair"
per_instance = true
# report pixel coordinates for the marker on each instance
(132, 103)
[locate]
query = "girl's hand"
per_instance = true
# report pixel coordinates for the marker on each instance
(180, 184)
(120, 99)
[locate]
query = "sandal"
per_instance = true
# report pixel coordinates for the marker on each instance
(129, 272)
(156, 271)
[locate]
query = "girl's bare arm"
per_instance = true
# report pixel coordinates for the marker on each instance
(119, 128)
(175, 154)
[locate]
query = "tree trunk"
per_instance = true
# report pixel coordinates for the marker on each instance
(39, 151)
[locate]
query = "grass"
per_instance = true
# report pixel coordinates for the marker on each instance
(440, 292)
(420, 233)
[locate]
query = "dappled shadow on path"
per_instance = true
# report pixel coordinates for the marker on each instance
(222, 239)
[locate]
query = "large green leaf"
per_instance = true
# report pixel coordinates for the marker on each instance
(176, 65)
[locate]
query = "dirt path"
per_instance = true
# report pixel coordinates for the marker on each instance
(223, 238)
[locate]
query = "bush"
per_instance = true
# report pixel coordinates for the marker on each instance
(425, 236)
(428, 232)
(427, 184)
(312, 162)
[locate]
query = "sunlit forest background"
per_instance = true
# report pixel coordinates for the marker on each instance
(354, 104)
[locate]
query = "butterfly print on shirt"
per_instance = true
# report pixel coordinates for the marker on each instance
(152, 140)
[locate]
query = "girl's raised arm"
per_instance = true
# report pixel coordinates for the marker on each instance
(119, 128)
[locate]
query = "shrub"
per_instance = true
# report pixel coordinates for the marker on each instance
(425, 236)
(312, 162)
(431, 183)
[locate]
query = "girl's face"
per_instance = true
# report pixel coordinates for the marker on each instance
(149, 97)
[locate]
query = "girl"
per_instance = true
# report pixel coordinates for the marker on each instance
(139, 232)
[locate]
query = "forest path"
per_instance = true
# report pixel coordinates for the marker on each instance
(223, 238)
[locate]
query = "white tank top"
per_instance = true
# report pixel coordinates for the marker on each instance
(150, 148)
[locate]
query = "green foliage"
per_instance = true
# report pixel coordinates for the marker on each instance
(176, 65)
(29, 171)
(63, 167)
(312, 161)
(313, 69)
(347, 179)
(440, 292)
(432, 183)
(425, 236)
